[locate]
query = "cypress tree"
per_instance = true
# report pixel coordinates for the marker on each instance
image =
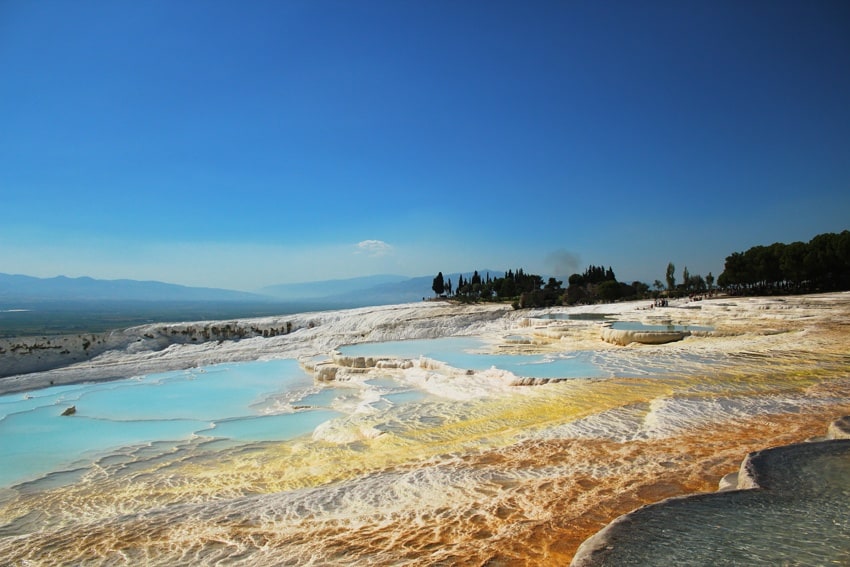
(439, 285)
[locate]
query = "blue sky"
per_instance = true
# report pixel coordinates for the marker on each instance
(242, 144)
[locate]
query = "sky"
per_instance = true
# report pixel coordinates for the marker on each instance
(244, 144)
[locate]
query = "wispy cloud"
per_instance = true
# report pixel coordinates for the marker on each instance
(374, 248)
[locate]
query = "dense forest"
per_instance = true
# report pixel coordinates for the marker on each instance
(822, 264)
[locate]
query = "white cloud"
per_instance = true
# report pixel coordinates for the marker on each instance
(374, 248)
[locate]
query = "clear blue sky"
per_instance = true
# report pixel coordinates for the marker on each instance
(241, 144)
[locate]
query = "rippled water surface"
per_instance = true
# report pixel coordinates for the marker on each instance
(244, 402)
(253, 401)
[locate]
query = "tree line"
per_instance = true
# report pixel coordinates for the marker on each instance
(529, 290)
(524, 289)
(691, 284)
(822, 264)
(600, 284)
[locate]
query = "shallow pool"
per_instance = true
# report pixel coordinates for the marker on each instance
(253, 401)
(472, 353)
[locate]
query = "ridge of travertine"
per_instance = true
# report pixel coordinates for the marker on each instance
(32, 362)
(28, 363)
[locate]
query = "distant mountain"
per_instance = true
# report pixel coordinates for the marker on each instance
(328, 294)
(33, 306)
(410, 289)
(403, 291)
(62, 288)
(329, 288)
(369, 290)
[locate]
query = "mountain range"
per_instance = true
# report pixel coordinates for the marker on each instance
(369, 290)
(62, 288)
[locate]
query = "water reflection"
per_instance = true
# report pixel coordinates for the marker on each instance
(476, 354)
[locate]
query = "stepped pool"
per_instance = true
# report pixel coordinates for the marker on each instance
(237, 403)
(473, 353)
(254, 401)
(260, 401)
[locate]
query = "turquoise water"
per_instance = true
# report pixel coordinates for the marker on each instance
(469, 353)
(243, 402)
(270, 427)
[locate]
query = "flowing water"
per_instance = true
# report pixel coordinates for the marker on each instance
(256, 463)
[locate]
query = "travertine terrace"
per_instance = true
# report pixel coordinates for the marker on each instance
(490, 471)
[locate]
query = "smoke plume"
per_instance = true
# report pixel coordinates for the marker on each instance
(562, 263)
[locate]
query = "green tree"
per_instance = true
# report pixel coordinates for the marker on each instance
(641, 289)
(734, 271)
(439, 285)
(697, 283)
(507, 288)
(553, 285)
(792, 263)
(821, 264)
(609, 290)
(671, 278)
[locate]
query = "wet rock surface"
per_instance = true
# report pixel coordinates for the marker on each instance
(789, 509)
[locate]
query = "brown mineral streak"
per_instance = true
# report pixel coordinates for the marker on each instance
(703, 458)
(578, 507)
(573, 508)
